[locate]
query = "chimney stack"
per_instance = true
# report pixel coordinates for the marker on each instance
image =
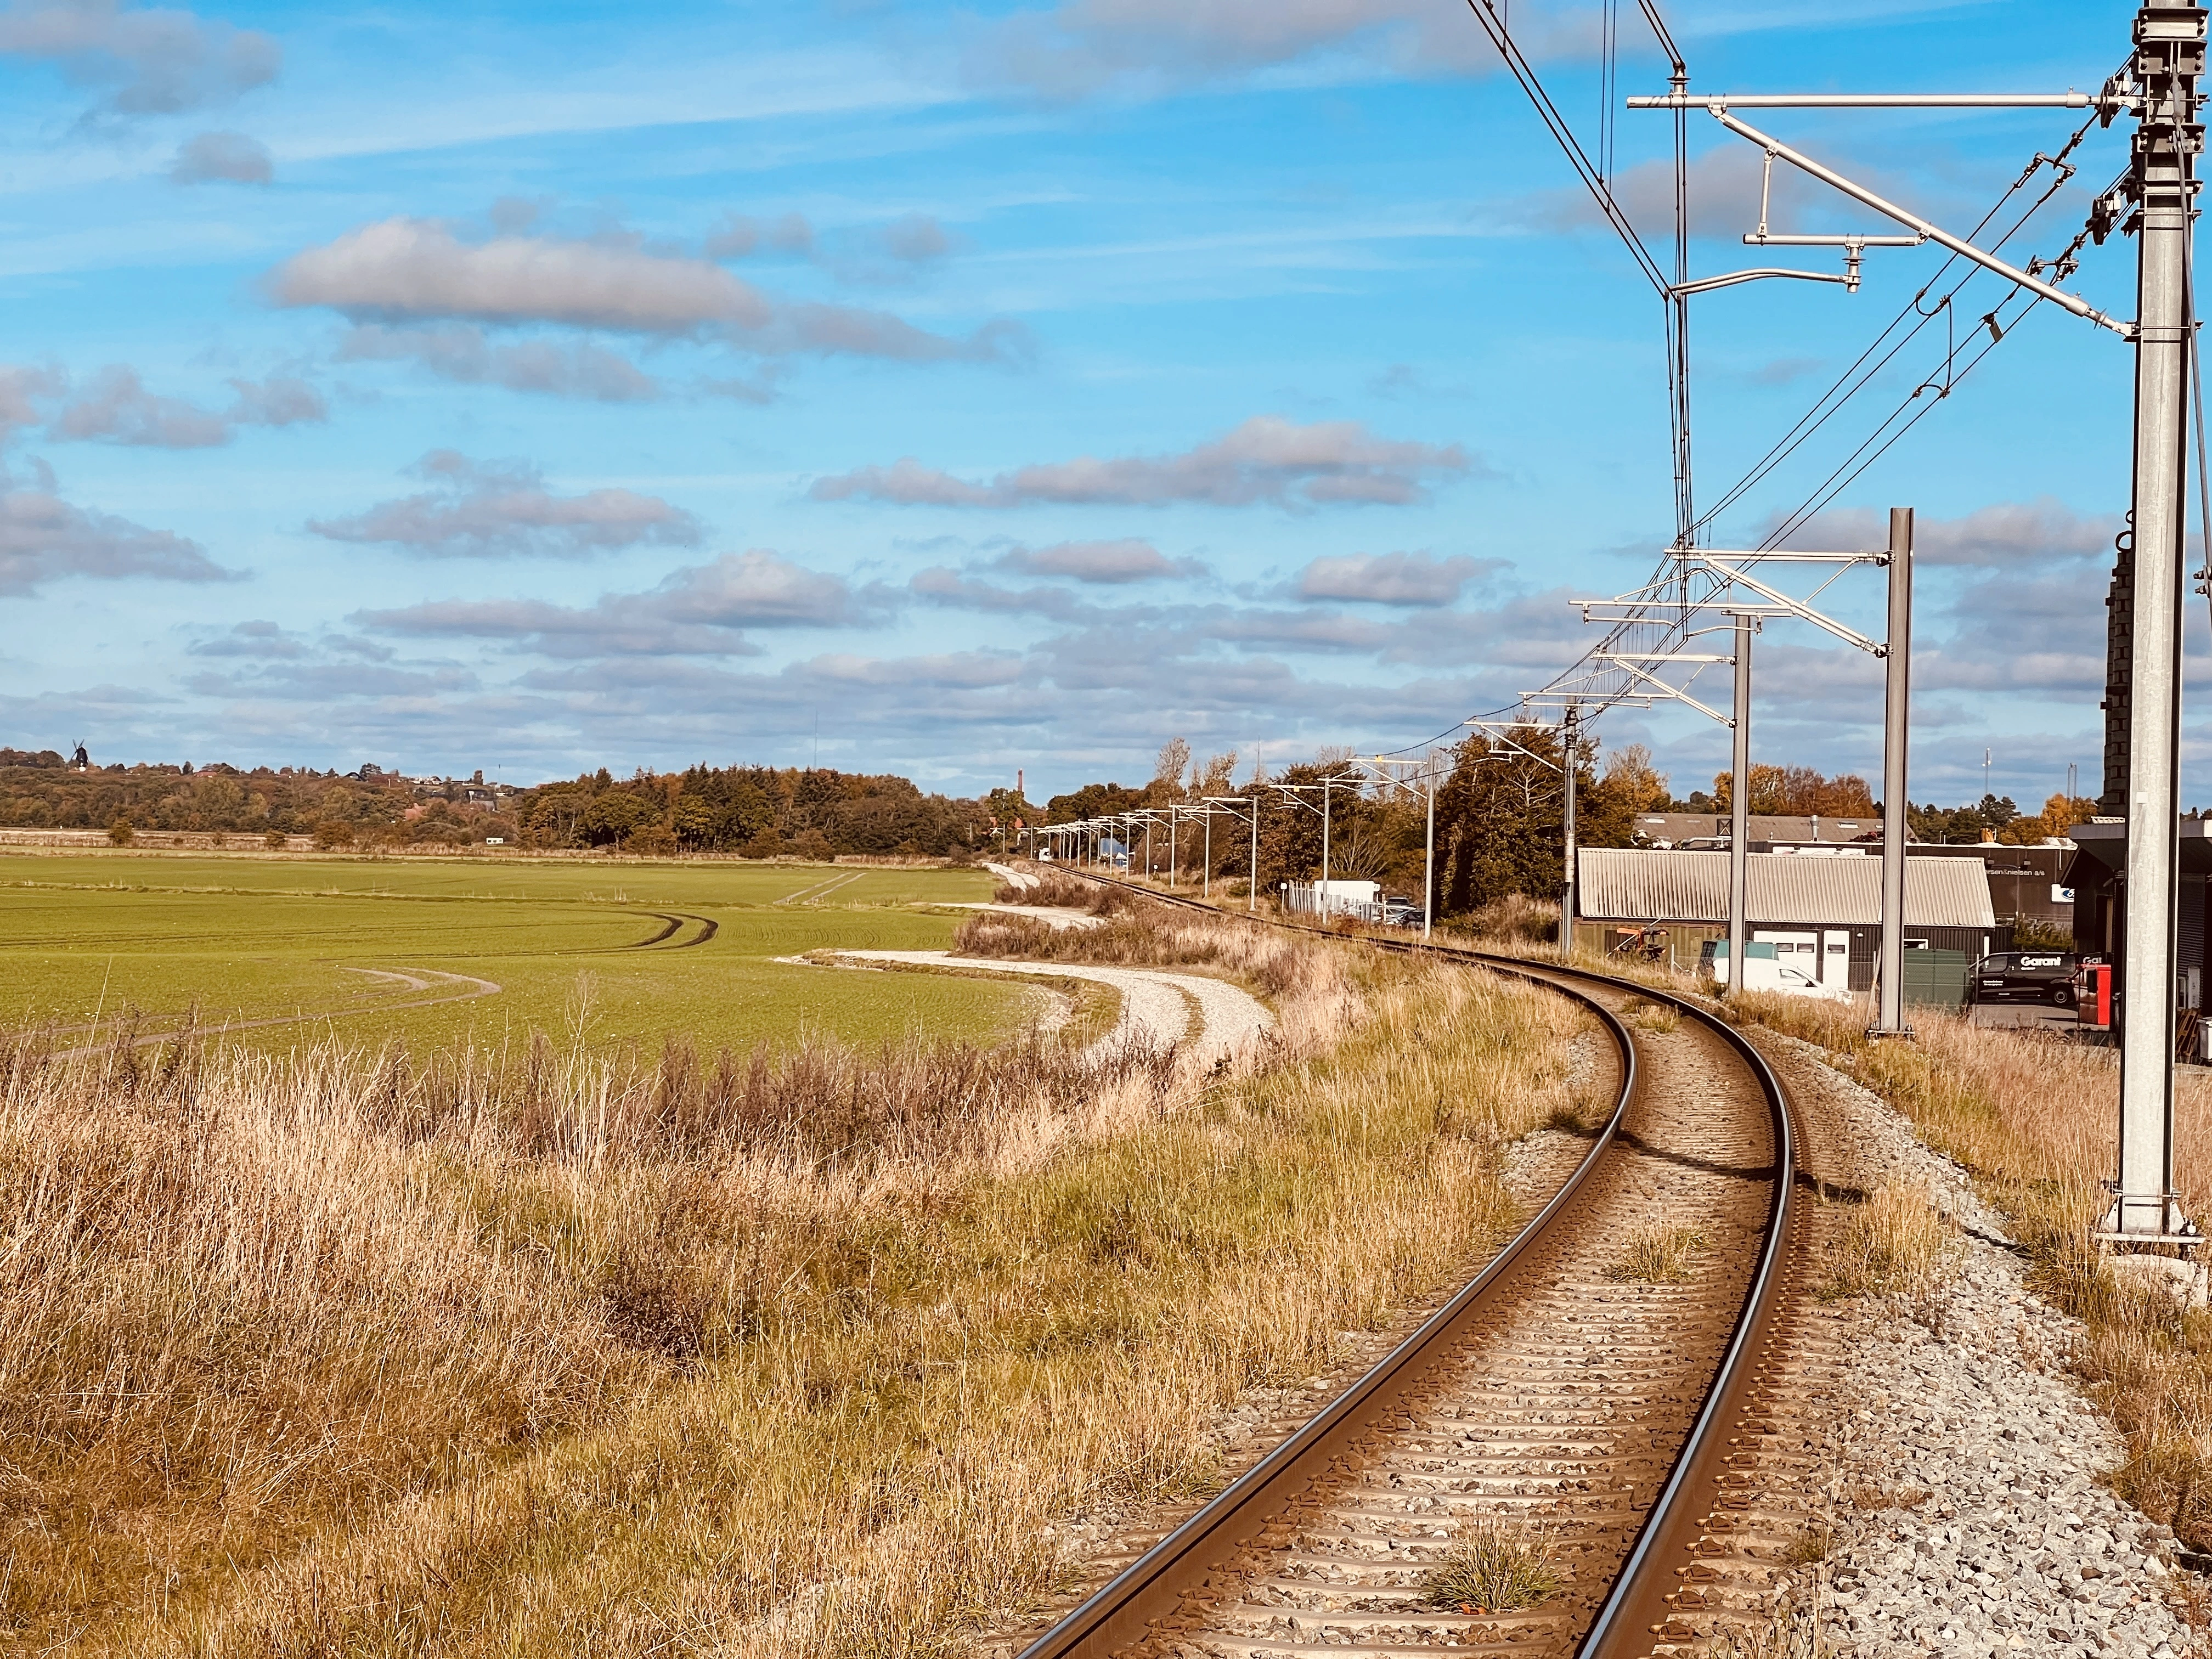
(1017, 784)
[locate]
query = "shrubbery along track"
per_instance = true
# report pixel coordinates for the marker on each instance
(1609, 1387)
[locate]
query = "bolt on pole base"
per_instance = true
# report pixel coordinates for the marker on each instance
(2173, 1227)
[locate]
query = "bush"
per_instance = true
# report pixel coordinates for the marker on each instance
(333, 832)
(1518, 919)
(122, 832)
(276, 841)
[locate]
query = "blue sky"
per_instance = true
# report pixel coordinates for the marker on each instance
(967, 389)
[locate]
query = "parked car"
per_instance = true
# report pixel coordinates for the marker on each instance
(2045, 976)
(1401, 913)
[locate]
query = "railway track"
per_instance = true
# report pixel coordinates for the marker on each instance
(1661, 1433)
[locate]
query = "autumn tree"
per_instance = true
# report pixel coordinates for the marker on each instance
(1174, 761)
(1798, 792)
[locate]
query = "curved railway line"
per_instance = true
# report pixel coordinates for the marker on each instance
(1665, 1436)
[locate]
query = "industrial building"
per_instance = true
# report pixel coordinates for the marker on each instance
(1822, 911)
(2098, 903)
(2028, 884)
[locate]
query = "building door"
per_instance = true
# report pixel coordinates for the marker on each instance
(1836, 957)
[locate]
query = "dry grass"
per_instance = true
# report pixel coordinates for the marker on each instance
(1657, 1253)
(1899, 1247)
(1057, 890)
(1494, 1567)
(533, 1353)
(1514, 919)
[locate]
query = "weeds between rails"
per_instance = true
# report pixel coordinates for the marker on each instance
(542, 1352)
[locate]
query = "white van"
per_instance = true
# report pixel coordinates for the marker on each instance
(1764, 970)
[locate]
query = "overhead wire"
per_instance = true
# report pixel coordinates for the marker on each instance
(1597, 176)
(1819, 414)
(1603, 686)
(1501, 37)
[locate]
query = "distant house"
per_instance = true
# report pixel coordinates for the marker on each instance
(1822, 915)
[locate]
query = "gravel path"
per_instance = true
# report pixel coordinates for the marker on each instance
(1154, 1003)
(1970, 1519)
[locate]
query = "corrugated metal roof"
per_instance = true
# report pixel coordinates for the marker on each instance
(1635, 884)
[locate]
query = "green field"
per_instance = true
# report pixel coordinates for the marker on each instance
(292, 949)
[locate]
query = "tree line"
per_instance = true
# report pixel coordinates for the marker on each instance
(757, 812)
(1499, 814)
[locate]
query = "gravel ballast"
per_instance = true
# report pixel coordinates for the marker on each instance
(1970, 1517)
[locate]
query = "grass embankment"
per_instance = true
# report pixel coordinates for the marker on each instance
(792, 1356)
(2035, 1120)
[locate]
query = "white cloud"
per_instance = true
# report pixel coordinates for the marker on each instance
(257, 639)
(44, 538)
(1411, 578)
(1264, 459)
(154, 61)
(916, 237)
(462, 352)
(1083, 47)
(404, 269)
(222, 157)
(738, 235)
(700, 609)
(2013, 534)
(280, 400)
(494, 509)
(117, 408)
(1128, 561)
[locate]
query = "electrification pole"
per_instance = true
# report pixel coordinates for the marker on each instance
(1889, 1016)
(2169, 60)
(1567, 738)
(1429, 857)
(1740, 811)
(1325, 783)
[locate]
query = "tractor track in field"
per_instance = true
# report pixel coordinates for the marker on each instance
(467, 989)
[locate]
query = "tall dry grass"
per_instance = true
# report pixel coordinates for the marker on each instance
(1054, 887)
(2035, 1120)
(543, 1352)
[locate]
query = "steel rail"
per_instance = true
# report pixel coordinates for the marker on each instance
(1635, 1610)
